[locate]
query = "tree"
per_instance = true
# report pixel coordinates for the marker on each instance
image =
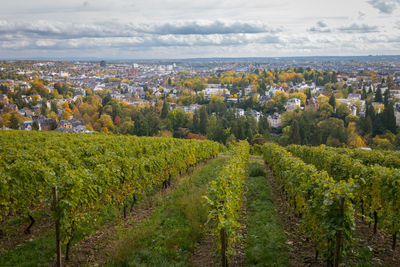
(106, 99)
(364, 93)
(43, 109)
(35, 126)
(378, 95)
(332, 101)
(117, 121)
(196, 122)
(54, 107)
(263, 125)
(386, 97)
(294, 136)
(14, 124)
(334, 128)
(343, 111)
(215, 130)
(141, 127)
(203, 120)
(164, 110)
(308, 93)
(389, 119)
(176, 118)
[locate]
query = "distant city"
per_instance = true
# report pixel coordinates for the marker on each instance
(266, 94)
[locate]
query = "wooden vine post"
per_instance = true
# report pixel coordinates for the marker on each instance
(339, 238)
(224, 259)
(57, 223)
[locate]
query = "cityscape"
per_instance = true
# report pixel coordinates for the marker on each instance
(200, 133)
(240, 99)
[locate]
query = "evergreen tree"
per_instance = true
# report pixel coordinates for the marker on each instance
(294, 137)
(14, 124)
(35, 126)
(164, 110)
(196, 122)
(43, 109)
(54, 107)
(203, 120)
(332, 101)
(141, 127)
(364, 93)
(308, 93)
(389, 119)
(106, 99)
(368, 127)
(386, 97)
(263, 125)
(378, 95)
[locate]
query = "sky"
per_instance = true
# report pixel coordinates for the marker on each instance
(159, 29)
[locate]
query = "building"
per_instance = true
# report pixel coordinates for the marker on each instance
(274, 120)
(292, 104)
(26, 126)
(3, 99)
(354, 97)
(45, 124)
(397, 113)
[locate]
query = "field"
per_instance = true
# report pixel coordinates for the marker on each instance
(108, 200)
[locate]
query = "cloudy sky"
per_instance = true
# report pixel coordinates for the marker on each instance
(133, 29)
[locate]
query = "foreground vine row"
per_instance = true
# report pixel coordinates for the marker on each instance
(225, 198)
(323, 204)
(89, 172)
(377, 190)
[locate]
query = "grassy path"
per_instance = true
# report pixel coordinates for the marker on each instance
(168, 236)
(266, 240)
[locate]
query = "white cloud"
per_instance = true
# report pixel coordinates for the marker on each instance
(179, 28)
(385, 6)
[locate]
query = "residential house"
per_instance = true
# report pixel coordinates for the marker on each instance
(397, 112)
(45, 124)
(11, 107)
(26, 126)
(354, 97)
(275, 120)
(292, 104)
(3, 99)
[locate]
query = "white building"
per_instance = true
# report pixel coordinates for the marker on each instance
(292, 104)
(397, 113)
(274, 120)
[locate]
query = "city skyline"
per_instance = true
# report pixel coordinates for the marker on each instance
(177, 29)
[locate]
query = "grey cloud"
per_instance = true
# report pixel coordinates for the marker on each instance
(322, 24)
(114, 29)
(321, 27)
(356, 28)
(319, 30)
(146, 41)
(216, 27)
(385, 6)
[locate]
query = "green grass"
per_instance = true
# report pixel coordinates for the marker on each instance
(168, 237)
(266, 241)
(33, 253)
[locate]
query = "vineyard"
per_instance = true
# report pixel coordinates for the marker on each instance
(331, 188)
(75, 176)
(177, 206)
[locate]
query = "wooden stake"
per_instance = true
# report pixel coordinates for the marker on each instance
(57, 222)
(224, 260)
(339, 233)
